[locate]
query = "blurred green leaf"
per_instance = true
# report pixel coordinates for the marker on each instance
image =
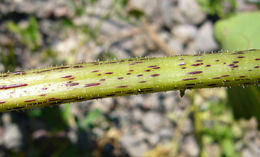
(217, 7)
(34, 113)
(91, 117)
(241, 32)
(29, 36)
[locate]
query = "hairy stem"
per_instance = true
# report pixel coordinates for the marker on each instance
(55, 85)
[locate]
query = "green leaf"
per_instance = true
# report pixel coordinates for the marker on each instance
(241, 32)
(91, 118)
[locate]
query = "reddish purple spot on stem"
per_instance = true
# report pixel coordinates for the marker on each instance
(140, 75)
(72, 84)
(156, 68)
(188, 79)
(242, 76)
(199, 60)
(91, 84)
(102, 79)
(256, 67)
(238, 53)
(240, 57)
(154, 75)
(216, 77)
(208, 65)
(4, 75)
(12, 86)
(195, 72)
(58, 68)
(183, 67)
(67, 76)
(94, 71)
(217, 60)
(31, 100)
(42, 95)
(225, 75)
(130, 70)
(78, 66)
(44, 88)
(141, 81)
(99, 74)
(53, 99)
(128, 73)
(257, 59)
(235, 62)
(181, 64)
(2, 102)
(120, 78)
(198, 64)
(121, 86)
(109, 73)
(151, 66)
(148, 70)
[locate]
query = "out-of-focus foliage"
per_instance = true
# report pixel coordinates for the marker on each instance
(217, 7)
(241, 32)
(28, 35)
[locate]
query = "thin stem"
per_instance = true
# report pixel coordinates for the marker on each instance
(55, 85)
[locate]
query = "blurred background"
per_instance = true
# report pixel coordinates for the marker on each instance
(40, 33)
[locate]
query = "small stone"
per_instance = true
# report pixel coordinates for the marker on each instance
(133, 146)
(186, 126)
(152, 121)
(153, 139)
(190, 146)
(166, 133)
(205, 39)
(139, 52)
(192, 11)
(169, 103)
(185, 32)
(151, 102)
(13, 138)
(137, 114)
(166, 12)
(175, 45)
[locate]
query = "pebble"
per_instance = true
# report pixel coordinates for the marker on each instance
(205, 39)
(185, 32)
(151, 102)
(190, 146)
(166, 12)
(166, 133)
(169, 103)
(137, 114)
(134, 147)
(152, 121)
(192, 11)
(13, 138)
(153, 139)
(175, 45)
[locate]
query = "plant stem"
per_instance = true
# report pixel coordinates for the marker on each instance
(55, 85)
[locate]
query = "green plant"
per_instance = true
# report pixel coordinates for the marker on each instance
(241, 32)
(29, 35)
(217, 7)
(55, 85)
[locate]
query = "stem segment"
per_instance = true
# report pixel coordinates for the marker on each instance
(55, 85)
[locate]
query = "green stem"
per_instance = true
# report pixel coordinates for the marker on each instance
(55, 85)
